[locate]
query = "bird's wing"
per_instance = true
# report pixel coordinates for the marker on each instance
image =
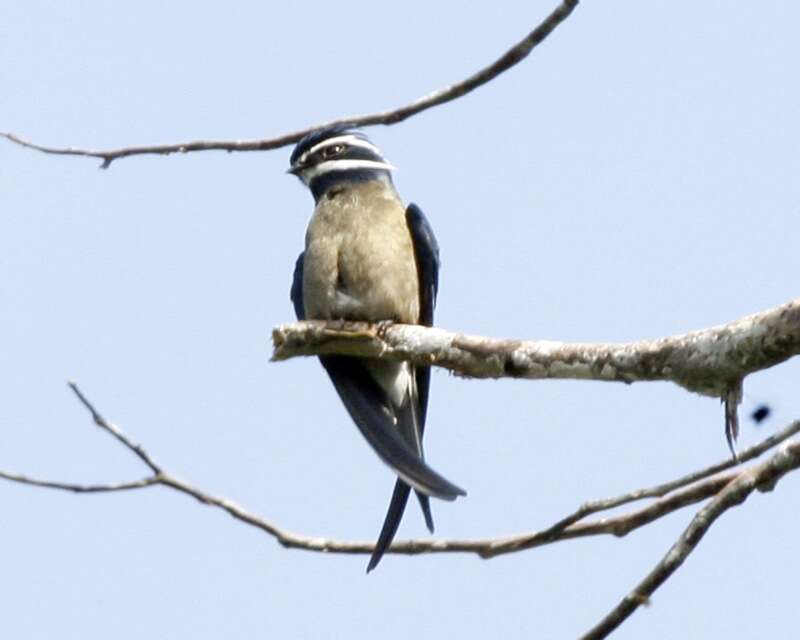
(426, 251)
(296, 292)
(374, 413)
(378, 420)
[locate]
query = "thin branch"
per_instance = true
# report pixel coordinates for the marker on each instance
(565, 529)
(763, 477)
(711, 361)
(513, 56)
(730, 489)
(115, 431)
(485, 548)
(660, 490)
(79, 488)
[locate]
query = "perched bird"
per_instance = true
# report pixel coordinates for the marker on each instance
(369, 258)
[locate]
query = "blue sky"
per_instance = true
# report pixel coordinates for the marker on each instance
(636, 177)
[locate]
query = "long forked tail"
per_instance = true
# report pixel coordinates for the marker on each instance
(390, 524)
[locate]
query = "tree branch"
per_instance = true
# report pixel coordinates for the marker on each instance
(727, 489)
(79, 488)
(763, 477)
(711, 361)
(513, 56)
(661, 490)
(703, 485)
(115, 431)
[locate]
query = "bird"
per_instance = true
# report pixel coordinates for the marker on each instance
(368, 257)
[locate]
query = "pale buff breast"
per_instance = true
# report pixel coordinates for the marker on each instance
(359, 262)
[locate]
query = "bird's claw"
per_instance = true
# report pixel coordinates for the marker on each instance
(382, 327)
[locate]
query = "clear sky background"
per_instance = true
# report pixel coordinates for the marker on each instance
(636, 177)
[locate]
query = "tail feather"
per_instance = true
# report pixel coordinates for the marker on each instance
(425, 505)
(409, 426)
(373, 413)
(390, 524)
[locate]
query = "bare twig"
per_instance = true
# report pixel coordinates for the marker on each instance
(660, 490)
(762, 476)
(115, 431)
(565, 529)
(79, 488)
(510, 58)
(711, 361)
(732, 398)
(727, 489)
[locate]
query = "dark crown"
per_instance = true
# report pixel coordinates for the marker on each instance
(336, 155)
(315, 137)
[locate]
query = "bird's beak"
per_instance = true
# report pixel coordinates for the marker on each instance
(295, 169)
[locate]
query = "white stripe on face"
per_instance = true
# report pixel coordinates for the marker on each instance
(342, 165)
(350, 140)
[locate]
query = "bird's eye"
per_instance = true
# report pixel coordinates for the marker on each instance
(334, 150)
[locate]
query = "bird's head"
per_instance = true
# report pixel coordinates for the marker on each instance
(335, 155)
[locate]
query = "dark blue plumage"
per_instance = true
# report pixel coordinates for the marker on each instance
(321, 184)
(427, 254)
(303, 159)
(315, 137)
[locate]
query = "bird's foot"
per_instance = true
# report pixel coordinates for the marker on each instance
(382, 327)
